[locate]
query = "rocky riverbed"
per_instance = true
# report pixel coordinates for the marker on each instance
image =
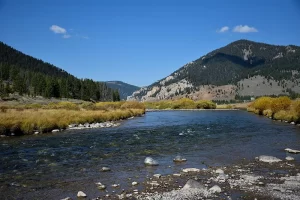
(266, 177)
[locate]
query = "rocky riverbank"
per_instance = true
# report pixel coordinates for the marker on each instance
(265, 177)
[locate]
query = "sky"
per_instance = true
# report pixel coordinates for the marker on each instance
(140, 41)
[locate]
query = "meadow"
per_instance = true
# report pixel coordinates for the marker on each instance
(183, 103)
(29, 118)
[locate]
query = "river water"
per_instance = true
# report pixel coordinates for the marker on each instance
(54, 166)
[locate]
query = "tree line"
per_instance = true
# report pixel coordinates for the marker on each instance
(29, 76)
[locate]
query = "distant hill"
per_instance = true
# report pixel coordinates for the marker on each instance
(124, 89)
(241, 69)
(27, 75)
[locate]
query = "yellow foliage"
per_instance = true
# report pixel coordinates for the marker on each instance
(286, 115)
(268, 113)
(280, 103)
(262, 104)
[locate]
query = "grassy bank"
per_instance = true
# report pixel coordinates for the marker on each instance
(26, 119)
(280, 108)
(183, 103)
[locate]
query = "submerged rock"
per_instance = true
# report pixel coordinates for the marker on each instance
(67, 198)
(289, 158)
(100, 186)
(134, 183)
(81, 194)
(292, 150)
(268, 159)
(105, 169)
(150, 161)
(179, 159)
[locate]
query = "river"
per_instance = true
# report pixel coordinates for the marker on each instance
(54, 166)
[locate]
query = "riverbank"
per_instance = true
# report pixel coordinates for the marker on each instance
(280, 108)
(54, 117)
(265, 177)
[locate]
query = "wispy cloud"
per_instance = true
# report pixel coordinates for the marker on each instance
(66, 34)
(244, 29)
(57, 29)
(223, 29)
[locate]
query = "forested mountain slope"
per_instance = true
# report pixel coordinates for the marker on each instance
(124, 89)
(242, 68)
(30, 76)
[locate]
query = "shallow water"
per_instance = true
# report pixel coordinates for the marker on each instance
(54, 166)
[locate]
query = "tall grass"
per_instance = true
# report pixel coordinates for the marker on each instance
(27, 119)
(183, 103)
(280, 108)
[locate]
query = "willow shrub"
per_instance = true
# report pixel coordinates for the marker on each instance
(261, 104)
(286, 115)
(280, 103)
(205, 104)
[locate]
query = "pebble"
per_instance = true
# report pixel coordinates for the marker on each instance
(67, 198)
(191, 170)
(157, 175)
(115, 185)
(134, 183)
(177, 175)
(215, 189)
(81, 194)
(105, 169)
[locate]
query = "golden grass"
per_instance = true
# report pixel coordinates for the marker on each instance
(25, 119)
(183, 103)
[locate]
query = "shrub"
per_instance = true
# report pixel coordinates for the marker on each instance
(184, 103)
(286, 115)
(280, 103)
(205, 104)
(261, 104)
(268, 113)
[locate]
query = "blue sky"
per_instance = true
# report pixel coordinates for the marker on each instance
(140, 41)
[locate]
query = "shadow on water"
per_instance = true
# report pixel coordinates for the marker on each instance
(57, 165)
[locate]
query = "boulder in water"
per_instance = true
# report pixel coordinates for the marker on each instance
(105, 169)
(179, 159)
(81, 194)
(292, 150)
(150, 161)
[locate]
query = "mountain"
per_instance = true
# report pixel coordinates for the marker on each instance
(124, 89)
(242, 69)
(30, 76)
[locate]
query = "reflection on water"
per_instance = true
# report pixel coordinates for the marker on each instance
(57, 165)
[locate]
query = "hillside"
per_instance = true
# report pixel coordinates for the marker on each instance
(241, 69)
(25, 75)
(124, 89)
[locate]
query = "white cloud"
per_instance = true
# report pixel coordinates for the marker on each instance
(244, 29)
(66, 36)
(223, 29)
(57, 29)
